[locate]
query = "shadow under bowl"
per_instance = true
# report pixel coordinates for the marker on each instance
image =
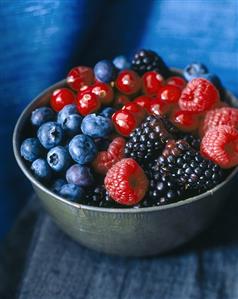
(125, 232)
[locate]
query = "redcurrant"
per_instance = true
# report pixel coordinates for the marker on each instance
(80, 76)
(128, 82)
(61, 97)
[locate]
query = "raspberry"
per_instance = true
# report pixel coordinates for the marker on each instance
(220, 144)
(198, 96)
(106, 159)
(126, 182)
(186, 121)
(220, 116)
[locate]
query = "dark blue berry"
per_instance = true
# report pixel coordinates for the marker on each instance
(31, 149)
(105, 71)
(50, 134)
(79, 175)
(96, 126)
(72, 124)
(107, 112)
(56, 186)
(41, 115)
(121, 63)
(58, 158)
(194, 70)
(71, 192)
(41, 169)
(82, 149)
(65, 112)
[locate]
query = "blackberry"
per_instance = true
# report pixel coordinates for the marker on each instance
(192, 140)
(148, 140)
(163, 188)
(147, 60)
(188, 168)
(99, 197)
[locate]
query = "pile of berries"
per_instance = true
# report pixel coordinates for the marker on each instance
(133, 134)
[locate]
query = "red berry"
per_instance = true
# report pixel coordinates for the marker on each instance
(128, 82)
(220, 144)
(87, 102)
(126, 182)
(106, 159)
(169, 94)
(120, 101)
(80, 76)
(151, 82)
(124, 122)
(61, 97)
(103, 91)
(186, 121)
(198, 96)
(157, 107)
(138, 112)
(144, 102)
(176, 81)
(220, 116)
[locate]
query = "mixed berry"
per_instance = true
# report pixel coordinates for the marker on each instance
(133, 134)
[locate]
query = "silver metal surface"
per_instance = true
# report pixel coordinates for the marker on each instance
(127, 232)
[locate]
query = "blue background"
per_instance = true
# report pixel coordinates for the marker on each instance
(42, 39)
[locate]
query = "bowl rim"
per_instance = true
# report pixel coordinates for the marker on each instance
(21, 163)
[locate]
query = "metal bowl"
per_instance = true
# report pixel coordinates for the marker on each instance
(125, 232)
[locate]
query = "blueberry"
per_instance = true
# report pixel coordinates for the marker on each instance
(72, 124)
(121, 63)
(105, 71)
(31, 149)
(42, 115)
(71, 192)
(194, 70)
(79, 175)
(82, 149)
(107, 112)
(50, 134)
(102, 144)
(96, 126)
(56, 186)
(41, 169)
(214, 79)
(65, 112)
(58, 158)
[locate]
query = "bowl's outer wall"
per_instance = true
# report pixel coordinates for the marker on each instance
(136, 233)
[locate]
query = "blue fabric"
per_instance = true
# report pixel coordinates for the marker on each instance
(41, 40)
(58, 268)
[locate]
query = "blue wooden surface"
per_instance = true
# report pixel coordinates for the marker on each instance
(41, 40)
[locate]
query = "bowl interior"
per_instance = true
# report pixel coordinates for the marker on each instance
(23, 130)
